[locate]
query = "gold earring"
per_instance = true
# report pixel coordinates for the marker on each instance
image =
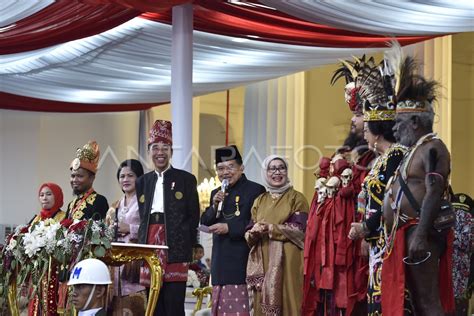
(375, 146)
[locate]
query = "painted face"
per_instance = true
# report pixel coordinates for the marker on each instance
(46, 198)
(369, 137)
(81, 180)
(403, 130)
(160, 154)
(277, 173)
(80, 294)
(127, 179)
(357, 124)
(229, 170)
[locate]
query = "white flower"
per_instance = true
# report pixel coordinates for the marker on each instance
(35, 239)
(193, 279)
(32, 244)
(50, 236)
(11, 244)
(95, 227)
(74, 238)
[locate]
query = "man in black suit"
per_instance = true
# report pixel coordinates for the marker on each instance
(168, 204)
(227, 218)
(87, 204)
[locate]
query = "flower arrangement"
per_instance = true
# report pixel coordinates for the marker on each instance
(30, 251)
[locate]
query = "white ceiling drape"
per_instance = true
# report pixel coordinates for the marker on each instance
(15, 10)
(394, 18)
(131, 64)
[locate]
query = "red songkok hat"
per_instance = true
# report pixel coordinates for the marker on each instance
(161, 132)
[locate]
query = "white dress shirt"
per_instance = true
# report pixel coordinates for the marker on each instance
(158, 197)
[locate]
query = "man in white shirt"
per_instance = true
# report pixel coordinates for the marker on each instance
(168, 204)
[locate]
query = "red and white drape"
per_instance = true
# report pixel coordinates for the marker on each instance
(108, 55)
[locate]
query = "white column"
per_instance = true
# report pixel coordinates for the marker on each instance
(181, 85)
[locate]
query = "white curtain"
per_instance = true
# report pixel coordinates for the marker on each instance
(15, 10)
(274, 124)
(422, 17)
(132, 64)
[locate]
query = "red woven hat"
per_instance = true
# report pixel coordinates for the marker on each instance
(161, 132)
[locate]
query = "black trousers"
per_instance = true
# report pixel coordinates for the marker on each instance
(171, 299)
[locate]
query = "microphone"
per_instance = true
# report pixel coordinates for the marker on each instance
(224, 186)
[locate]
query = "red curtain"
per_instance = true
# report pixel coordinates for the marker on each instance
(21, 103)
(61, 22)
(269, 25)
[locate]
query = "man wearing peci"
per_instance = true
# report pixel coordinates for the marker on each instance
(227, 218)
(168, 204)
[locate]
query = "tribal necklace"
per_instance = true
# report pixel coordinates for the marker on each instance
(78, 205)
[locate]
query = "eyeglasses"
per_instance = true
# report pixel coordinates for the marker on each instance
(229, 168)
(280, 169)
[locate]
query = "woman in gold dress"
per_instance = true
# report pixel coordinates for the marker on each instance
(276, 237)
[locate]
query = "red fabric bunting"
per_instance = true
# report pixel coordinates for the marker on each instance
(260, 23)
(61, 22)
(21, 103)
(65, 21)
(143, 5)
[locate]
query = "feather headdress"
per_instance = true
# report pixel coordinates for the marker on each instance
(413, 93)
(376, 92)
(349, 70)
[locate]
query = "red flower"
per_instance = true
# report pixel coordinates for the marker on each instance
(78, 226)
(66, 222)
(24, 230)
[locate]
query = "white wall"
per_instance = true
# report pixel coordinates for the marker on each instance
(39, 147)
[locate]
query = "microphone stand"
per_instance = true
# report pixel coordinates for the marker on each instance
(116, 221)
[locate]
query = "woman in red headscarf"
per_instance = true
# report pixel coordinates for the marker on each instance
(50, 197)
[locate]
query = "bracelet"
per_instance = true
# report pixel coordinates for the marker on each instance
(405, 260)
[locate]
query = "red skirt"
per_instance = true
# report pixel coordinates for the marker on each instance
(172, 272)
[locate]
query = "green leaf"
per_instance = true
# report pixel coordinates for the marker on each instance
(106, 243)
(95, 236)
(99, 251)
(60, 256)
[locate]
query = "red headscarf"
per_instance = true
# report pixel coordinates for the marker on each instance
(58, 199)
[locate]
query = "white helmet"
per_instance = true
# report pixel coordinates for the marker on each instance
(90, 271)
